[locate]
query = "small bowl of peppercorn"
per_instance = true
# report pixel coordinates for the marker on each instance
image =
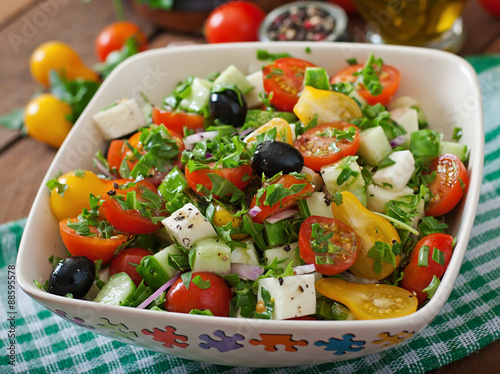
(304, 21)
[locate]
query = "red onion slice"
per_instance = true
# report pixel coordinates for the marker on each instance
(157, 293)
(287, 213)
(304, 269)
(245, 271)
(397, 141)
(254, 211)
(191, 140)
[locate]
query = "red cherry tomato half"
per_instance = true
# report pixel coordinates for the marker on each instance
(449, 185)
(390, 77)
(416, 278)
(284, 79)
(214, 295)
(491, 6)
(287, 181)
(115, 156)
(93, 247)
(316, 144)
(113, 37)
(234, 21)
(126, 261)
(237, 176)
(329, 244)
(177, 121)
(131, 221)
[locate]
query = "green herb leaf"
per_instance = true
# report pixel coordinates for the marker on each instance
(13, 120)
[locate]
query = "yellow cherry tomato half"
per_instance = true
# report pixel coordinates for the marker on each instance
(45, 119)
(283, 131)
(61, 57)
(371, 228)
(326, 106)
(369, 301)
(222, 217)
(72, 194)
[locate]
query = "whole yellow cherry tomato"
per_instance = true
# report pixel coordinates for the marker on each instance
(369, 301)
(72, 193)
(222, 217)
(61, 57)
(45, 119)
(371, 228)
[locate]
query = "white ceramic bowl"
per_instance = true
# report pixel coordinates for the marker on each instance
(443, 83)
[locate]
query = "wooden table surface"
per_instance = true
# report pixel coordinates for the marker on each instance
(24, 24)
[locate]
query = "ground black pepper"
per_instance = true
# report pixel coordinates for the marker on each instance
(302, 24)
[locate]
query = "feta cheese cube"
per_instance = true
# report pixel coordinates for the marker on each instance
(293, 296)
(187, 225)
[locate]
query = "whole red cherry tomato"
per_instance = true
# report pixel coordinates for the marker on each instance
(491, 6)
(113, 37)
(235, 21)
(429, 258)
(347, 5)
(207, 291)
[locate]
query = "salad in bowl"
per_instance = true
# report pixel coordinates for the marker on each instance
(284, 192)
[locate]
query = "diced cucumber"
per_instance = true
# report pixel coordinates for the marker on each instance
(316, 77)
(155, 269)
(211, 254)
(373, 145)
(459, 150)
(283, 255)
(332, 175)
(408, 119)
(247, 255)
(232, 75)
(118, 290)
(198, 97)
(319, 205)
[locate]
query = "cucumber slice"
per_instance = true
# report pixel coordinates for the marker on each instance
(459, 150)
(319, 205)
(211, 254)
(373, 145)
(198, 97)
(155, 270)
(284, 255)
(232, 75)
(316, 77)
(355, 183)
(248, 255)
(118, 290)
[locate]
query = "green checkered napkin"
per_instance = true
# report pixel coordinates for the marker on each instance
(469, 320)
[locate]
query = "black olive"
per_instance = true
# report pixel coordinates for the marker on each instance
(272, 156)
(228, 106)
(73, 275)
